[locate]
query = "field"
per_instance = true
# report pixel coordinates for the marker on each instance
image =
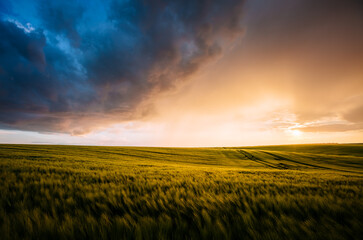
(272, 192)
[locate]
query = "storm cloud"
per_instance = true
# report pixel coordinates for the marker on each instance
(72, 67)
(76, 67)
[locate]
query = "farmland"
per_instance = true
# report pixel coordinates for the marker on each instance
(267, 192)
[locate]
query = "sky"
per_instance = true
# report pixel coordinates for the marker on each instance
(181, 72)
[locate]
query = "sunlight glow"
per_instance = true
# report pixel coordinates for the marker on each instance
(295, 132)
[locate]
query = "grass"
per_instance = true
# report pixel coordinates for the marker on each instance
(271, 192)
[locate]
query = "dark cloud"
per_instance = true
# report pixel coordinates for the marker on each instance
(110, 71)
(34, 78)
(155, 45)
(23, 74)
(62, 17)
(5, 8)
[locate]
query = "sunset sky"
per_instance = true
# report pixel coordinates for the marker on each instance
(181, 72)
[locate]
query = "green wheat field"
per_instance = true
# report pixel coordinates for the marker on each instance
(270, 192)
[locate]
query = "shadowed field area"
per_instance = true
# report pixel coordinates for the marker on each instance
(267, 192)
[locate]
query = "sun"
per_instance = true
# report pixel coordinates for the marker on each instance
(295, 133)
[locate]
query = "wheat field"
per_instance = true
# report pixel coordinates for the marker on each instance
(267, 192)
